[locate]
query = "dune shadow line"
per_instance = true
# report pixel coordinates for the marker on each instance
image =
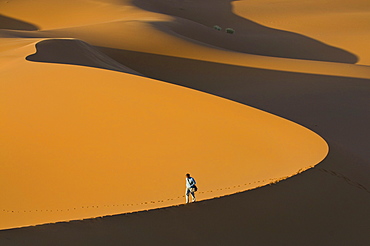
(75, 52)
(308, 99)
(250, 37)
(14, 24)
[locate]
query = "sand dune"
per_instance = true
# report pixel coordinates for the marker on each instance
(102, 139)
(315, 101)
(252, 37)
(14, 24)
(94, 124)
(166, 35)
(313, 208)
(75, 52)
(343, 24)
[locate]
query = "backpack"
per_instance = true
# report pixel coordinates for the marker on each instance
(195, 188)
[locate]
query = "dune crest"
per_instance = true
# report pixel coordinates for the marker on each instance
(84, 142)
(343, 24)
(251, 37)
(75, 52)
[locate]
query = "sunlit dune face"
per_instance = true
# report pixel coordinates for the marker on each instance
(80, 141)
(83, 142)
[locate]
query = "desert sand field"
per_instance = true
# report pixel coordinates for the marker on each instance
(105, 105)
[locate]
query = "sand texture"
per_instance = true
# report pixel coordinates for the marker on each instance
(106, 104)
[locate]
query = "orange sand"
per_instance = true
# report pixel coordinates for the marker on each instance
(78, 141)
(83, 134)
(343, 24)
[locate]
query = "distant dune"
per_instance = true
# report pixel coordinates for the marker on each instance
(106, 104)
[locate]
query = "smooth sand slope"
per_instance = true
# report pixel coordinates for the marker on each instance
(84, 120)
(343, 24)
(79, 140)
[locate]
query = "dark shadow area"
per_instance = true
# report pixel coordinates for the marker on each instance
(75, 52)
(312, 208)
(337, 108)
(250, 37)
(14, 24)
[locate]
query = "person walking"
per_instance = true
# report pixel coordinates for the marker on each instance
(190, 188)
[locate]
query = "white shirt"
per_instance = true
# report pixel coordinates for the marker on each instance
(190, 182)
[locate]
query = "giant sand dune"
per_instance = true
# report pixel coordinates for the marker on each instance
(105, 105)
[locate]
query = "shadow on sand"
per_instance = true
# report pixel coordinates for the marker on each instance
(315, 101)
(75, 52)
(14, 24)
(250, 37)
(312, 208)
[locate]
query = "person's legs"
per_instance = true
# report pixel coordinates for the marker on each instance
(193, 195)
(187, 191)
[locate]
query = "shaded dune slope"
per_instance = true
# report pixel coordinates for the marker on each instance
(335, 107)
(342, 23)
(165, 41)
(250, 36)
(14, 24)
(75, 52)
